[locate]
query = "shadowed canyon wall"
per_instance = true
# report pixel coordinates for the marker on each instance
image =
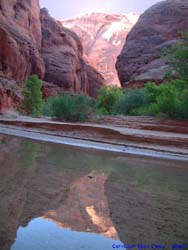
(20, 39)
(34, 43)
(156, 29)
(62, 53)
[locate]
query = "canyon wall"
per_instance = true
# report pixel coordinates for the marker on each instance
(158, 28)
(31, 42)
(103, 36)
(20, 39)
(62, 53)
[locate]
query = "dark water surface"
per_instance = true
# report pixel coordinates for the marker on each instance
(54, 197)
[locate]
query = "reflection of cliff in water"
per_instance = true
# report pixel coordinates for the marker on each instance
(151, 202)
(86, 207)
(144, 200)
(39, 179)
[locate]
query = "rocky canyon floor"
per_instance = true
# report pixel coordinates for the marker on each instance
(145, 136)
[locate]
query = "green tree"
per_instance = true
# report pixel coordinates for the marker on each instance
(131, 100)
(32, 93)
(107, 98)
(68, 107)
(166, 101)
(177, 56)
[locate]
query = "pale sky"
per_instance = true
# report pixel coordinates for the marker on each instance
(62, 9)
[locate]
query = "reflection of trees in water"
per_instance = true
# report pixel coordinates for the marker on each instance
(28, 152)
(17, 152)
(17, 167)
(147, 199)
(69, 159)
(36, 178)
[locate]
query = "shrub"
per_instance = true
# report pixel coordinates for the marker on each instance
(182, 109)
(33, 103)
(166, 102)
(131, 100)
(152, 91)
(107, 98)
(177, 56)
(68, 107)
(169, 98)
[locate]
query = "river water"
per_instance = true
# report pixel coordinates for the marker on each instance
(54, 197)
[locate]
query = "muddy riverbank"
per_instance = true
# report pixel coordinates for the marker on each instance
(141, 135)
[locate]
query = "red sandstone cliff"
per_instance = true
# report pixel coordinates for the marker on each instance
(34, 43)
(157, 28)
(103, 37)
(62, 53)
(20, 39)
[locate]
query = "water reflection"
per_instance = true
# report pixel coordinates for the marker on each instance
(41, 234)
(86, 207)
(138, 200)
(54, 182)
(152, 202)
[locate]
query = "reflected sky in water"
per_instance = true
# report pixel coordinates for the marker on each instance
(54, 197)
(42, 234)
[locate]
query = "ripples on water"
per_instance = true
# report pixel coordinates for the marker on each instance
(54, 197)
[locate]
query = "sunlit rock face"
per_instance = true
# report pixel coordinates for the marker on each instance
(158, 28)
(103, 37)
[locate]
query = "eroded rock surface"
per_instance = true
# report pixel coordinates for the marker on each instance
(156, 29)
(20, 39)
(10, 93)
(103, 37)
(63, 56)
(52, 52)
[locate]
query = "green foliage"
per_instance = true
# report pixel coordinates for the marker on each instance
(152, 91)
(107, 98)
(166, 100)
(32, 93)
(168, 75)
(27, 153)
(131, 100)
(169, 98)
(68, 107)
(177, 56)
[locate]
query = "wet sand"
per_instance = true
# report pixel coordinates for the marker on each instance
(144, 136)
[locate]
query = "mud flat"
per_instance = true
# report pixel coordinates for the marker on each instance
(138, 136)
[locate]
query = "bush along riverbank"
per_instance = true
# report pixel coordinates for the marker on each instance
(170, 99)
